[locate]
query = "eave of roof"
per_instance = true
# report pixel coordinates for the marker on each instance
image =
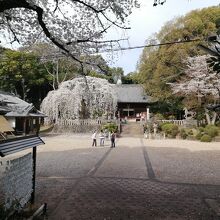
(4, 109)
(15, 145)
(12, 106)
(132, 93)
(18, 114)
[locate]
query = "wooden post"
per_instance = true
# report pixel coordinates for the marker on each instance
(148, 114)
(34, 156)
(128, 111)
(24, 126)
(38, 126)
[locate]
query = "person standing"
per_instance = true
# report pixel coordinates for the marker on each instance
(102, 138)
(94, 142)
(106, 133)
(113, 135)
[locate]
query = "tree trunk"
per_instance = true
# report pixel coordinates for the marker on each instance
(214, 118)
(57, 74)
(207, 116)
(210, 120)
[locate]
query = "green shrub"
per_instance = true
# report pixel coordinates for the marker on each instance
(199, 135)
(211, 130)
(183, 133)
(171, 130)
(171, 117)
(206, 138)
(160, 124)
(190, 132)
(158, 116)
(201, 129)
(111, 127)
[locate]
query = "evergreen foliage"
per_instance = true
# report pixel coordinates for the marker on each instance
(111, 127)
(170, 130)
(159, 66)
(206, 138)
(24, 75)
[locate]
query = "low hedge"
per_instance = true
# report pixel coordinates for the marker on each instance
(111, 127)
(207, 133)
(183, 133)
(170, 130)
(211, 130)
(206, 138)
(199, 135)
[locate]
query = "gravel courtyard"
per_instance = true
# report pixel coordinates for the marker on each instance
(139, 179)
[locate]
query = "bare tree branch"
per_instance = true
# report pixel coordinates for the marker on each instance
(9, 26)
(57, 3)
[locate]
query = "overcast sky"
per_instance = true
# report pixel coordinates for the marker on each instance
(147, 20)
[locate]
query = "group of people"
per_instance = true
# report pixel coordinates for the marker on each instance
(102, 137)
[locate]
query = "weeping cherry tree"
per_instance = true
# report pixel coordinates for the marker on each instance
(73, 100)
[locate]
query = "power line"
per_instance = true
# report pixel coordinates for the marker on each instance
(154, 45)
(49, 57)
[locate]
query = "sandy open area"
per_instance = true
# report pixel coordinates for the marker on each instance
(167, 178)
(77, 141)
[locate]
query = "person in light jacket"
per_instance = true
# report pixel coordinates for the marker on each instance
(94, 142)
(102, 138)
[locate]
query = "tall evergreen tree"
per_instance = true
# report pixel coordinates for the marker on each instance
(164, 64)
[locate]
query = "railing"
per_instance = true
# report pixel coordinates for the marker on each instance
(79, 125)
(176, 122)
(70, 122)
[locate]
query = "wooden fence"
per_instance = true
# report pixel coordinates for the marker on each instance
(176, 122)
(70, 122)
(185, 122)
(79, 125)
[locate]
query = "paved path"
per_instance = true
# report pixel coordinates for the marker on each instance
(132, 181)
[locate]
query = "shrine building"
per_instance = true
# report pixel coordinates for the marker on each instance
(132, 101)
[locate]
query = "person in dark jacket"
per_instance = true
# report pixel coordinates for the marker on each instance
(113, 135)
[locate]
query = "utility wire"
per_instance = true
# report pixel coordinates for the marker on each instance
(49, 57)
(154, 45)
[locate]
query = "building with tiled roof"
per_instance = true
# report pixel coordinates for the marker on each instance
(23, 117)
(132, 100)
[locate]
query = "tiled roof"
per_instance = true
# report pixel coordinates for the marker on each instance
(11, 105)
(25, 114)
(4, 109)
(132, 93)
(12, 102)
(14, 145)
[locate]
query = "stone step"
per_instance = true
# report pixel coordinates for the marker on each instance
(132, 129)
